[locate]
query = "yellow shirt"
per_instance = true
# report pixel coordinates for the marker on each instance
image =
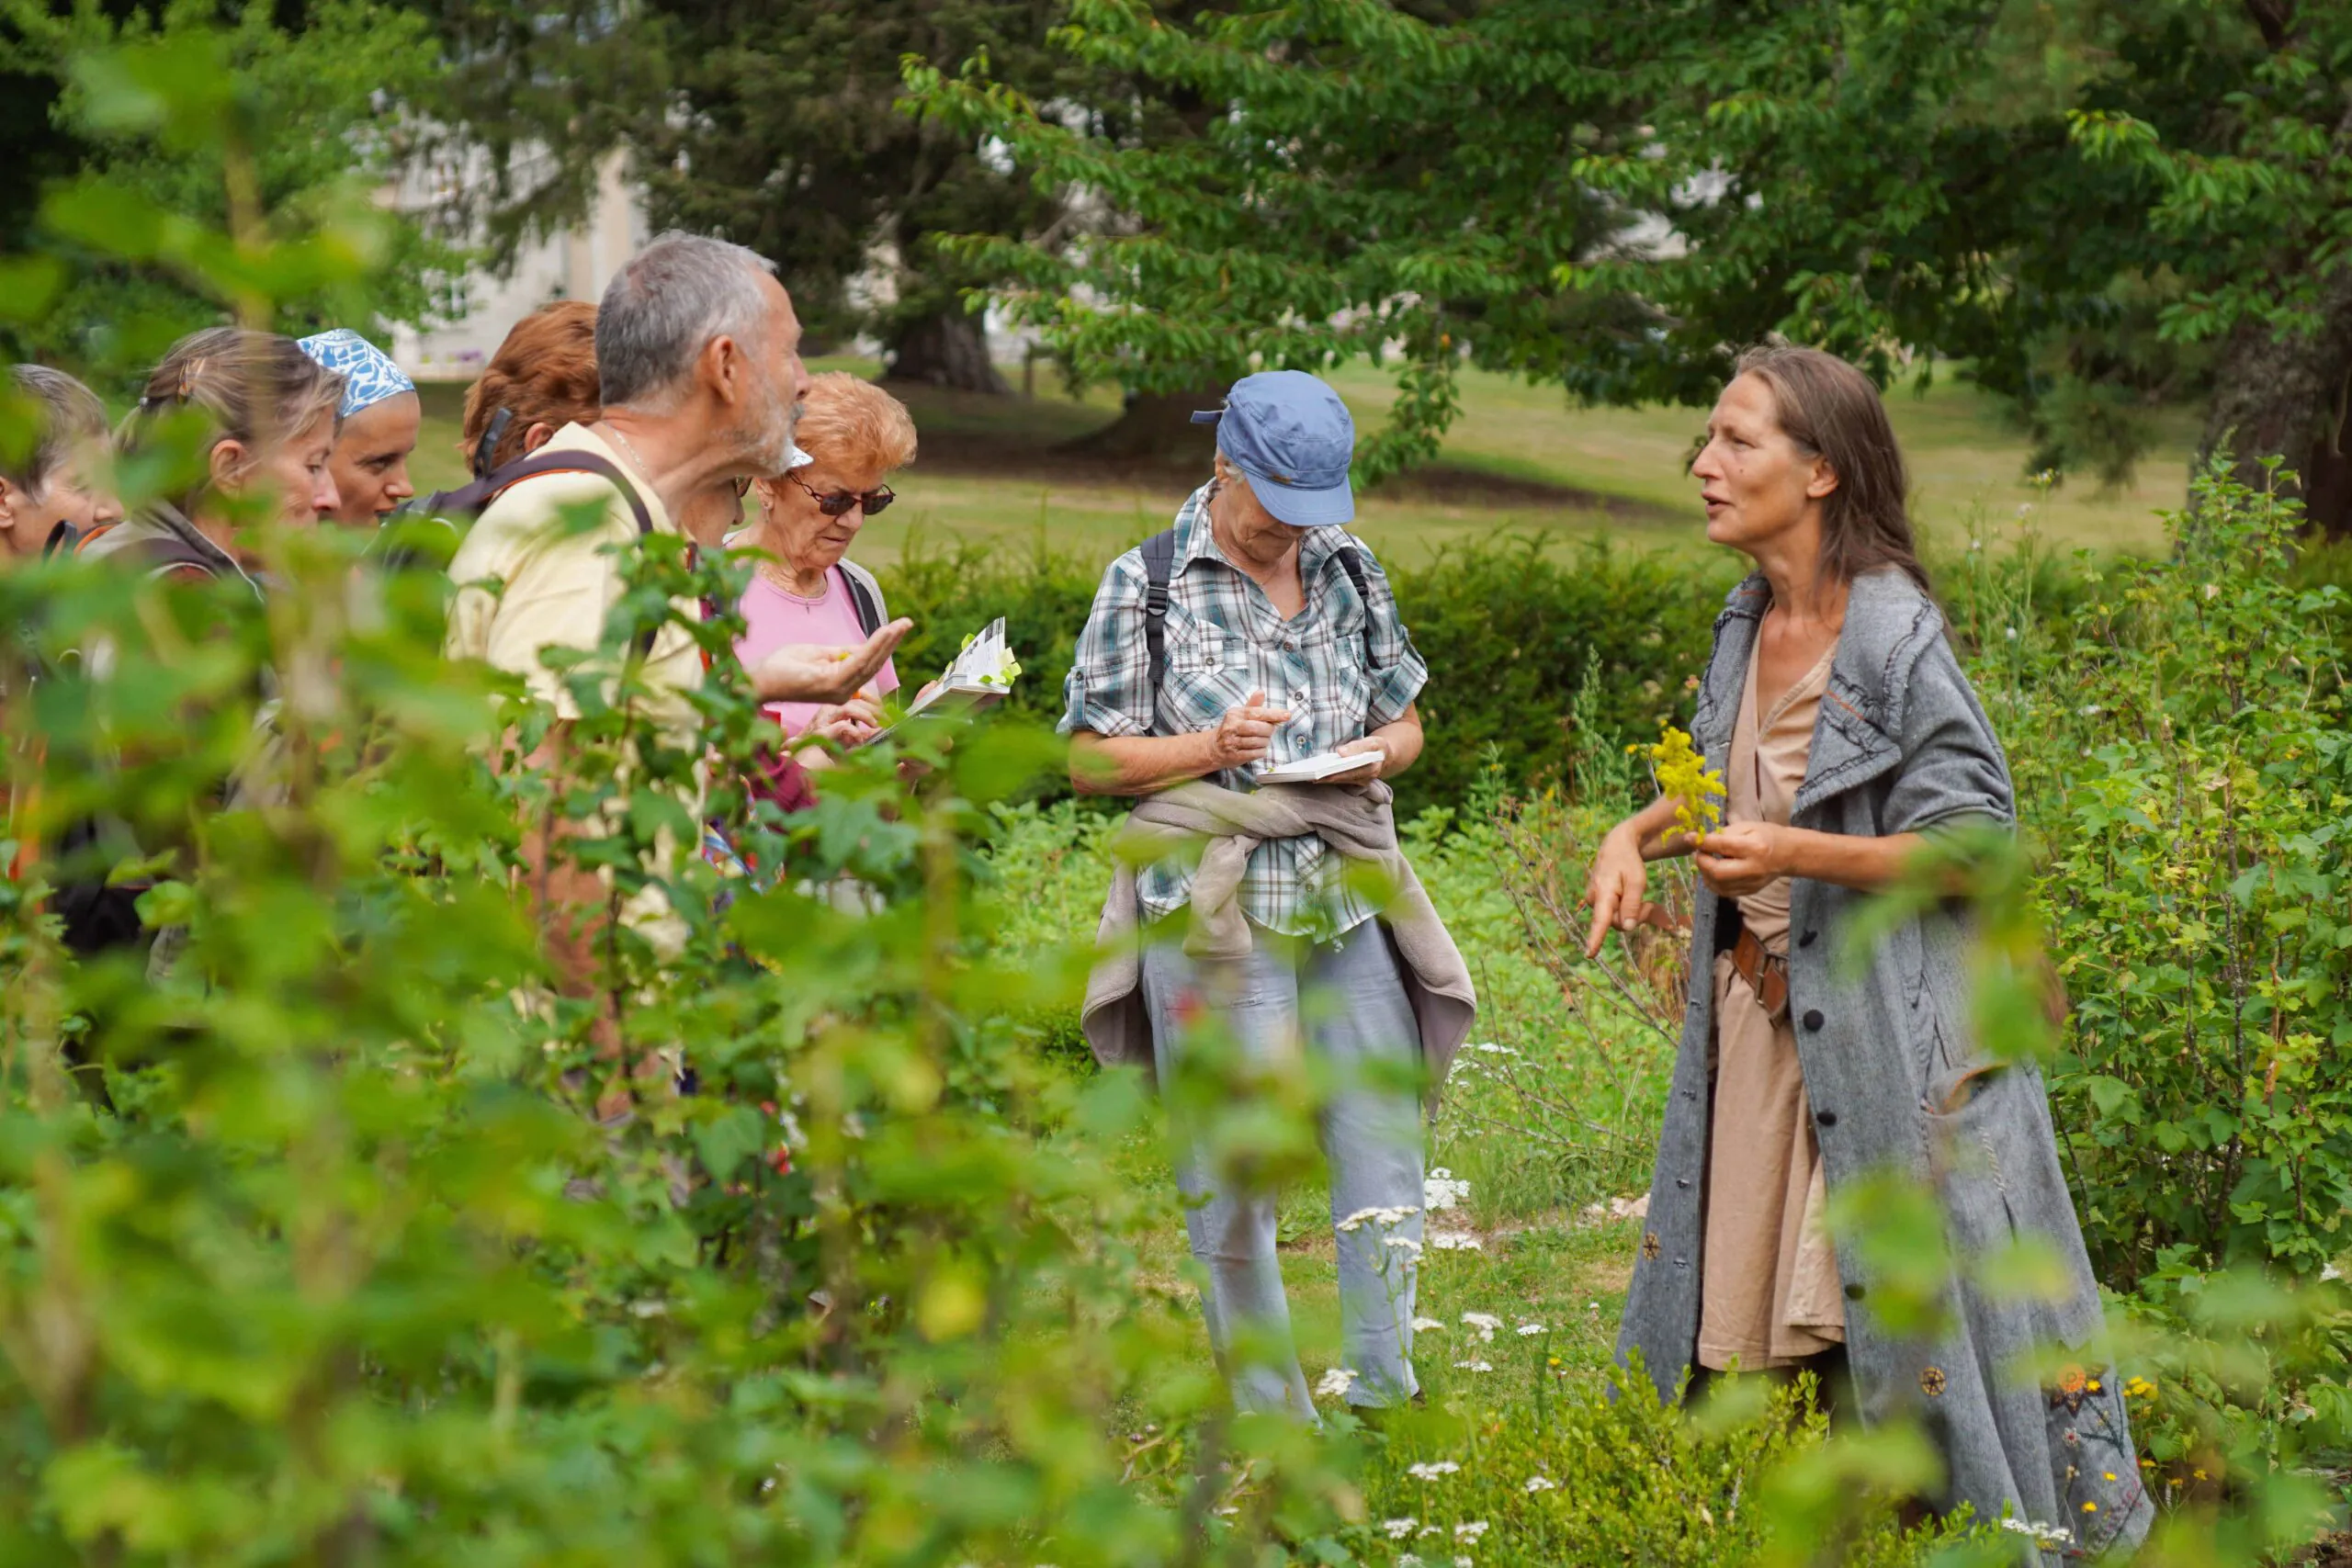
(559, 584)
(560, 581)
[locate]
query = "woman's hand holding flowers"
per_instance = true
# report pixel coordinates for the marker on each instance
(1744, 857)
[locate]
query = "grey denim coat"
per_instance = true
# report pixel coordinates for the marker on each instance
(1901, 746)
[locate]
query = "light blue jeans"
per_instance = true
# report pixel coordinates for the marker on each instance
(1355, 1015)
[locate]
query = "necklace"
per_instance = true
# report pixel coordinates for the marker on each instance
(630, 447)
(779, 573)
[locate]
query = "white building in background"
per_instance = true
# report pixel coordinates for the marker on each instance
(574, 264)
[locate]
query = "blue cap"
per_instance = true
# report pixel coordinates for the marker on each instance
(1294, 437)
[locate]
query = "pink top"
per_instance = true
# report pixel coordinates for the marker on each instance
(775, 618)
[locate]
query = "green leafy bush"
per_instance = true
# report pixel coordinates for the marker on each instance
(2181, 744)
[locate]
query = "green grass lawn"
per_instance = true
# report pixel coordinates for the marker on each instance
(1611, 470)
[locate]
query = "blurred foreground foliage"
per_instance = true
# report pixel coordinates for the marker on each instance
(349, 1236)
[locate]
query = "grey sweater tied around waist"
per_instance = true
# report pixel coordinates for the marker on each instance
(1356, 820)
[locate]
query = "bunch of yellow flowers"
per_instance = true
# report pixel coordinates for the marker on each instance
(1683, 773)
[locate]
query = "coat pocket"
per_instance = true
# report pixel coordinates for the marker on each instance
(1994, 1161)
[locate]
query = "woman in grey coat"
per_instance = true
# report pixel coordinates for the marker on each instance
(1846, 733)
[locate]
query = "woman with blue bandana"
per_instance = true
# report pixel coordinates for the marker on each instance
(381, 413)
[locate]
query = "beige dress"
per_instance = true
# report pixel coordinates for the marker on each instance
(1768, 1293)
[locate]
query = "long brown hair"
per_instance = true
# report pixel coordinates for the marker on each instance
(1832, 412)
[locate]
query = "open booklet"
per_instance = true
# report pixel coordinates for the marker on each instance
(1321, 766)
(979, 676)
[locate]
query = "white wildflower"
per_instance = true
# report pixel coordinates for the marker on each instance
(1474, 1366)
(1486, 1323)
(1540, 1484)
(1441, 1189)
(1399, 1529)
(2329, 1273)
(1428, 1531)
(1530, 1330)
(2088, 710)
(1425, 1324)
(2011, 633)
(1382, 1217)
(1469, 1533)
(1455, 1241)
(1432, 1470)
(2050, 1536)
(1461, 1563)
(1409, 1560)
(1335, 1385)
(1403, 1244)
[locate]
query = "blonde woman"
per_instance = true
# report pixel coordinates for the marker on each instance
(277, 448)
(852, 437)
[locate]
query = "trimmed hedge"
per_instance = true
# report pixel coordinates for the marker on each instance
(1508, 629)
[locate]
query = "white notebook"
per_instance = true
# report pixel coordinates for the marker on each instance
(979, 676)
(1321, 766)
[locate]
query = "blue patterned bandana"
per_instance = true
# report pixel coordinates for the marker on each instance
(368, 374)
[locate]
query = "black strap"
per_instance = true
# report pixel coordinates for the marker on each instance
(473, 500)
(869, 614)
(154, 555)
(488, 444)
(1159, 570)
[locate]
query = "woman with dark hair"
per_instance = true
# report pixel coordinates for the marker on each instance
(1847, 736)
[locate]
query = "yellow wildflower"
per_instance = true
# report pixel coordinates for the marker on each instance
(2090, 1507)
(1683, 773)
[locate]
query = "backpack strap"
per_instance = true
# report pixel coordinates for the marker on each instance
(491, 436)
(541, 463)
(1158, 570)
(869, 614)
(155, 557)
(1351, 560)
(537, 465)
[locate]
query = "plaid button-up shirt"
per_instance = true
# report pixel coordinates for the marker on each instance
(1342, 667)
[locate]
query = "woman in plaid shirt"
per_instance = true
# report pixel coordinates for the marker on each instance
(1278, 647)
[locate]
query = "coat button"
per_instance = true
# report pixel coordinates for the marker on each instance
(1827, 1118)
(1812, 1019)
(1807, 940)
(1853, 1293)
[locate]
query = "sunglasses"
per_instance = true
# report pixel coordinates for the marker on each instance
(835, 505)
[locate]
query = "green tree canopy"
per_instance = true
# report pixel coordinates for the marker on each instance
(2093, 203)
(316, 107)
(775, 126)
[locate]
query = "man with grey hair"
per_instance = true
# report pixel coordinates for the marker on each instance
(699, 354)
(50, 473)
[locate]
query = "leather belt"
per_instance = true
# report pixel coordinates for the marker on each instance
(1765, 972)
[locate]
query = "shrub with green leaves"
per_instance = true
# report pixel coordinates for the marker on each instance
(2181, 745)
